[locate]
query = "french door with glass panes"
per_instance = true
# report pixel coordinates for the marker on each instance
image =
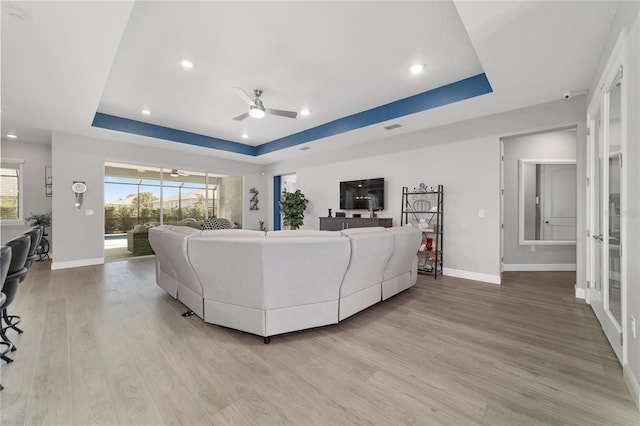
(605, 195)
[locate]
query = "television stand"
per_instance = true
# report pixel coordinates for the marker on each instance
(340, 223)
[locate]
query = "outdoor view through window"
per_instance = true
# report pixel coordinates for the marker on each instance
(138, 197)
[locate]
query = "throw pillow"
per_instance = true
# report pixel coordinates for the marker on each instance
(216, 223)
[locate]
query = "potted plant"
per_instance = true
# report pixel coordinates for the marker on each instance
(292, 207)
(43, 220)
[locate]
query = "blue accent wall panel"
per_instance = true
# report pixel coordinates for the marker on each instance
(127, 125)
(444, 95)
(277, 189)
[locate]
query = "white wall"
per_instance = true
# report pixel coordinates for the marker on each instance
(558, 145)
(628, 17)
(464, 157)
(78, 236)
(35, 157)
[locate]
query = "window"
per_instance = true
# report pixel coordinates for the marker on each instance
(11, 191)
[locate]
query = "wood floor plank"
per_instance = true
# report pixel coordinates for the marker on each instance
(105, 345)
(50, 397)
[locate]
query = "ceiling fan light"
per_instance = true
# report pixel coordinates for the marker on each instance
(256, 112)
(416, 68)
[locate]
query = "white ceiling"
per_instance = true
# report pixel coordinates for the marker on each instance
(64, 61)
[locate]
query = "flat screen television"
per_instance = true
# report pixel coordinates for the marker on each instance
(365, 194)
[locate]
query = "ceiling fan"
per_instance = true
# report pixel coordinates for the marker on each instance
(178, 173)
(256, 108)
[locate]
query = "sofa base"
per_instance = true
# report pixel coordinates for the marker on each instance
(285, 320)
(167, 283)
(356, 302)
(395, 285)
(273, 321)
(191, 300)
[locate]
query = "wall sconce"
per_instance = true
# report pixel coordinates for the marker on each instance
(79, 188)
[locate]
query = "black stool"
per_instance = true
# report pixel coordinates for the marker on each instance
(5, 260)
(35, 233)
(17, 269)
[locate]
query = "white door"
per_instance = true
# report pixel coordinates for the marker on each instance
(605, 158)
(558, 202)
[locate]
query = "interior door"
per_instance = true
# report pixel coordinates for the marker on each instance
(605, 292)
(559, 202)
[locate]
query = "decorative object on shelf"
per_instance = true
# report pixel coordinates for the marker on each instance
(292, 207)
(421, 205)
(429, 245)
(261, 223)
(422, 188)
(48, 181)
(253, 202)
(329, 214)
(429, 189)
(79, 188)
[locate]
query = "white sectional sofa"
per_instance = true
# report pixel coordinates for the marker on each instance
(281, 281)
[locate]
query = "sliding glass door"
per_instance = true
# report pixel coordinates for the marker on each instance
(138, 197)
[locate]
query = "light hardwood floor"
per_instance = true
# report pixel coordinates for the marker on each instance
(105, 345)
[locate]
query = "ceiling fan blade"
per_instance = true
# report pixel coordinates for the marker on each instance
(241, 116)
(288, 114)
(245, 97)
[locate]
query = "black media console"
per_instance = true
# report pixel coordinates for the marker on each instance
(340, 223)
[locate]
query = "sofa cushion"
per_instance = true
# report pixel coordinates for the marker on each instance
(352, 231)
(232, 233)
(187, 230)
(302, 233)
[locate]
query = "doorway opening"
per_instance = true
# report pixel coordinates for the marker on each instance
(539, 201)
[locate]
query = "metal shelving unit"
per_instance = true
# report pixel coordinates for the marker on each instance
(428, 206)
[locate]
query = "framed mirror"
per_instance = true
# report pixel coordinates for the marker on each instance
(547, 202)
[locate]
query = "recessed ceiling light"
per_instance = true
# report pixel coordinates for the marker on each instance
(146, 112)
(11, 136)
(416, 68)
(305, 112)
(186, 63)
(245, 136)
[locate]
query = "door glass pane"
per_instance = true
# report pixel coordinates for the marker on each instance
(183, 197)
(613, 207)
(131, 193)
(597, 198)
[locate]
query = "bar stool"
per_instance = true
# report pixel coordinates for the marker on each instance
(17, 269)
(35, 233)
(5, 260)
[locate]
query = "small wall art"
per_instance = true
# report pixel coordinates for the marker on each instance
(253, 202)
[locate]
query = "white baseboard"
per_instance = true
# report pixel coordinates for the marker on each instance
(581, 293)
(476, 276)
(77, 263)
(540, 267)
(632, 384)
